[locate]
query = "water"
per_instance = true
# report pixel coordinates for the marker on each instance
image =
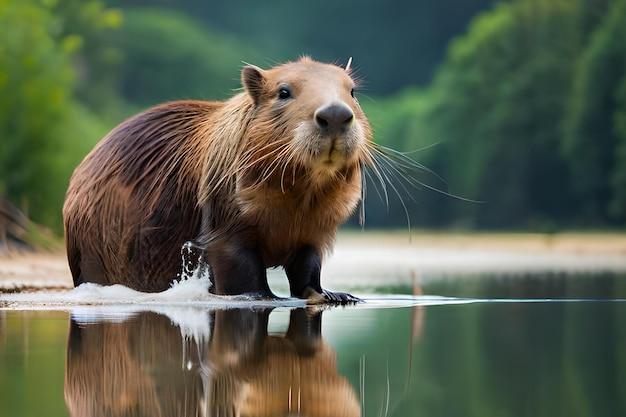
(550, 345)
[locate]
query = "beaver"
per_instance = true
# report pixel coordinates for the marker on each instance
(258, 181)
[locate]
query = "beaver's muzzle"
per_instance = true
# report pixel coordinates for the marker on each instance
(334, 119)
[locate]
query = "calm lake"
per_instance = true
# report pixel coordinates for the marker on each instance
(543, 345)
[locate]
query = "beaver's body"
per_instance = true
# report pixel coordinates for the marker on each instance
(251, 180)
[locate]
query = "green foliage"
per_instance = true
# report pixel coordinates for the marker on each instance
(591, 140)
(86, 27)
(167, 56)
(393, 45)
(618, 205)
(43, 135)
(499, 103)
(494, 105)
(34, 92)
(527, 112)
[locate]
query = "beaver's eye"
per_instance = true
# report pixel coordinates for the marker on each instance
(284, 93)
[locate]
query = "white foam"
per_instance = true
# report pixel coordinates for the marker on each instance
(188, 292)
(191, 289)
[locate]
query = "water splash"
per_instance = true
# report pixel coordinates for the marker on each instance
(191, 288)
(193, 265)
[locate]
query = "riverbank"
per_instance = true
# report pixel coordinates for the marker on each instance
(375, 258)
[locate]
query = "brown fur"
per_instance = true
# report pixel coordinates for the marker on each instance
(252, 166)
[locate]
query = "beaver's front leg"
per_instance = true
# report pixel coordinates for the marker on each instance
(237, 269)
(303, 271)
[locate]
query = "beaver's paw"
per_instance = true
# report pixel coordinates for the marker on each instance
(330, 297)
(340, 297)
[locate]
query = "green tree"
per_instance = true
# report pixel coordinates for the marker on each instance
(167, 56)
(618, 205)
(591, 135)
(35, 88)
(86, 27)
(496, 104)
(394, 45)
(43, 131)
(591, 138)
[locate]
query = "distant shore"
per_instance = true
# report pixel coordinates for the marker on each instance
(375, 258)
(570, 242)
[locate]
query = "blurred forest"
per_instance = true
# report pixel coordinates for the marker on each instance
(519, 104)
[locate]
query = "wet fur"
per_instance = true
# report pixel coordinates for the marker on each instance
(208, 171)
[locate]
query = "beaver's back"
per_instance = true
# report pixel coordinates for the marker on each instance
(132, 202)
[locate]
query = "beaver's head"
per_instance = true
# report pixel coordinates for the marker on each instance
(306, 115)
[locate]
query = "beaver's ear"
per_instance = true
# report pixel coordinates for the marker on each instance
(253, 81)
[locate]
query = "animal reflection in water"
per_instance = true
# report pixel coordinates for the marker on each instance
(146, 366)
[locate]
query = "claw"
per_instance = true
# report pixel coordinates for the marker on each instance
(340, 297)
(329, 297)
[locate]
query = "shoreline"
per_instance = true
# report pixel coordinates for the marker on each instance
(380, 258)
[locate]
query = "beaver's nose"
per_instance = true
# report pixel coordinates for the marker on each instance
(334, 117)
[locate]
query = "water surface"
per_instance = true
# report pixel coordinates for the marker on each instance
(527, 346)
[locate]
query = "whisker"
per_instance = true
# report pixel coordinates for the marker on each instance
(363, 195)
(230, 174)
(374, 183)
(272, 167)
(286, 164)
(393, 187)
(423, 148)
(417, 183)
(395, 173)
(379, 176)
(253, 152)
(406, 160)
